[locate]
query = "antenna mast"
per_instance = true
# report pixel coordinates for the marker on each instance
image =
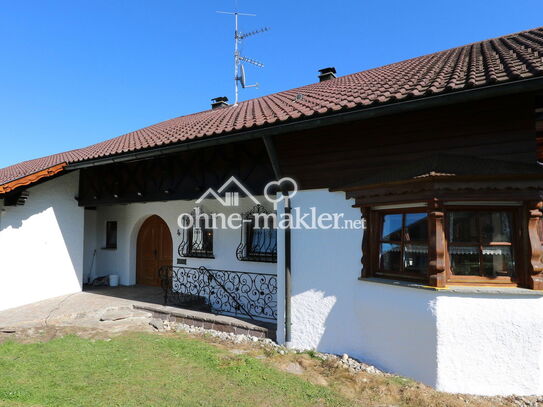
(239, 69)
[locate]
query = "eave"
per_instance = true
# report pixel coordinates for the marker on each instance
(529, 86)
(32, 178)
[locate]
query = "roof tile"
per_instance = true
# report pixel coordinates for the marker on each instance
(512, 57)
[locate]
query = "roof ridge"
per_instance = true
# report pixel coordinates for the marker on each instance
(476, 65)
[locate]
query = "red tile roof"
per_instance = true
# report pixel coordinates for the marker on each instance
(509, 58)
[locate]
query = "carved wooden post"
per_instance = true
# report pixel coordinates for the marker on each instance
(366, 256)
(535, 266)
(436, 244)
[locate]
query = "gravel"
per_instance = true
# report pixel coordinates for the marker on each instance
(344, 361)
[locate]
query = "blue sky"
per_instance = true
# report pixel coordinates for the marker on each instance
(73, 73)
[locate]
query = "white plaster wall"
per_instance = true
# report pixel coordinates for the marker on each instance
(332, 311)
(41, 244)
(89, 258)
(476, 344)
(490, 344)
(122, 261)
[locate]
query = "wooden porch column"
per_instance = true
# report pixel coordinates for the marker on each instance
(535, 266)
(436, 244)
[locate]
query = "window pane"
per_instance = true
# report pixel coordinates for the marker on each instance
(392, 227)
(463, 226)
(464, 260)
(259, 237)
(390, 257)
(497, 261)
(263, 241)
(416, 226)
(496, 226)
(208, 241)
(111, 235)
(416, 258)
(197, 238)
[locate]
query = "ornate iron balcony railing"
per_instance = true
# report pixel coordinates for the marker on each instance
(252, 295)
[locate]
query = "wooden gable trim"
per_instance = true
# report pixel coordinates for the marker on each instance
(32, 178)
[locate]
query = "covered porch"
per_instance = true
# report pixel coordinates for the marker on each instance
(133, 229)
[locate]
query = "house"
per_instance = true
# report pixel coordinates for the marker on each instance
(437, 155)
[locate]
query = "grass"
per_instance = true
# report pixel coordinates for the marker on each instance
(147, 370)
(175, 369)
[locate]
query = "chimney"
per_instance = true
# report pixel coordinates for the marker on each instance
(327, 74)
(219, 102)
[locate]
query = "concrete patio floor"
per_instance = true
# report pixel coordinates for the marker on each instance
(84, 307)
(93, 299)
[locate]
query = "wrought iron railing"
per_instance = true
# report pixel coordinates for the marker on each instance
(252, 295)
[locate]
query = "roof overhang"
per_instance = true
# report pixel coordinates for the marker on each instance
(531, 86)
(32, 179)
(479, 188)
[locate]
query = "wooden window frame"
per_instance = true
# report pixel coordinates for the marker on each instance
(526, 242)
(453, 279)
(379, 233)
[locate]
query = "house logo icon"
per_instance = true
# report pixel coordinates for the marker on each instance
(230, 198)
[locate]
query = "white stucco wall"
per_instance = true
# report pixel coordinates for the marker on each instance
(89, 257)
(333, 311)
(122, 261)
(41, 244)
(480, 344)
(490, 344)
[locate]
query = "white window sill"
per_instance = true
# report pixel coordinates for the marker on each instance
(454, 289)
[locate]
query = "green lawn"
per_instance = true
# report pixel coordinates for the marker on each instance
(146, 370)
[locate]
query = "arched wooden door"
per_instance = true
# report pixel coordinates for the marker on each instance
(154, 250)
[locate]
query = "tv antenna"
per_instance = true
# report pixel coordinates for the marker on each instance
(239, 60)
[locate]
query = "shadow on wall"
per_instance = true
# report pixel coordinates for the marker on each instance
(70, 227)
(393, 328)
(44, 240)
(10, 220)
(56, 222)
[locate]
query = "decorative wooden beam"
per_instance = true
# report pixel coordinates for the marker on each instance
(436, 244)
(31, 179)
(535, 265)
(366, 254)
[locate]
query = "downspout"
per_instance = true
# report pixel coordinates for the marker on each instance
(288, 273)
(272, 154)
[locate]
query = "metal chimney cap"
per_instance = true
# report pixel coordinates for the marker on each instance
(328, 70)
(327, 73)
(221, 101)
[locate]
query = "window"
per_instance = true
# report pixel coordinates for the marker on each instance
(111, 235)
(261, 241)
(467, 244)
(200, 241)
(403, 245)
(258, 237)
(480, 243)
(197, 241)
